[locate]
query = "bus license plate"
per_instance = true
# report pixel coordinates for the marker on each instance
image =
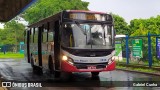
(91, 67)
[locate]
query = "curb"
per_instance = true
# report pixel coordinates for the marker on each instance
(139, 72)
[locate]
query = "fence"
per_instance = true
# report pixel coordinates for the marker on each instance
(139, 50)
(12, 48)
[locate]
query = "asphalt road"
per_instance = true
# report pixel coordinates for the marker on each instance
(20, 71)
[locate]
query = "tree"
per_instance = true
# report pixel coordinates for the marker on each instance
(120, 25)
(142, 27)
(45, 8)
(12, 33)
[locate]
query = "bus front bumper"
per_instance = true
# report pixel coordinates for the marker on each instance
(66, 67)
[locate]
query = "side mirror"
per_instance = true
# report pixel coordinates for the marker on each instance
(114, 32)
(113, 36)
(109, 17)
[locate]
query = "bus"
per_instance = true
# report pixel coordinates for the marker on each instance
(72, 41)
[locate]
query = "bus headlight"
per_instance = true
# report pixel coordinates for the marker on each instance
(67, 59)
(64, 58)
(113, 58)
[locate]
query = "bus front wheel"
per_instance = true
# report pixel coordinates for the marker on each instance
(57, 74)
(65, 76)
(94, 74)
(51, 67)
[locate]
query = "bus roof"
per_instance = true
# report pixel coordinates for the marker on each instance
(85, 11)
(56, 16)
(45, 20)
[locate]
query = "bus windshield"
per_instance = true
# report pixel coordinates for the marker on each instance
(86, 36)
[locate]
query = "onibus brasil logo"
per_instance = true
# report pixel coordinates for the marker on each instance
(19, 84)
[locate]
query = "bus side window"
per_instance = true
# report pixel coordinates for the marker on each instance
(35, 35)
(32, 35)
(25, 36)
(44, 35)
(51, 33)
(50, 36)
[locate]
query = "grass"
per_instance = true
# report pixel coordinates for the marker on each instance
(137, 69)
(11, 55)
(141, 62)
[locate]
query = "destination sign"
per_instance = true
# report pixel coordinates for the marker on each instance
(88, 16)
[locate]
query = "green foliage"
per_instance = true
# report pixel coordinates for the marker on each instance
(142, 27)
(45, 8)
(12, 33)
(136, 69)
(121, 26)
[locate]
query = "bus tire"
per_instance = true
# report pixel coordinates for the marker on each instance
(65, 76)
(32, 62)
(57, 74)
(36, 69)
(94, 74)
(39, 70)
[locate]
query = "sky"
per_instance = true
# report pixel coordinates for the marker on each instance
(20, 20)
(128, 9)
